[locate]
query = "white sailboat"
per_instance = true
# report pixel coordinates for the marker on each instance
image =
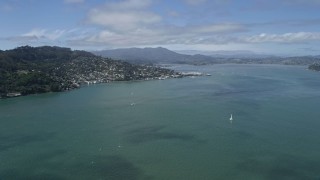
(231, 118)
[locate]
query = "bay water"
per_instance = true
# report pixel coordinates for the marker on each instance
(174, 129)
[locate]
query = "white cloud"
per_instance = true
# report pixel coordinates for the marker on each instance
(298, 37)
(36, 36)
(122, 21)
(123, 16)
(220, 28)
(132, 23)
(45, 34)
(190, 36)
(22, 38)
(171, 37)
(146, 36)
(114, 39)
(74, 1)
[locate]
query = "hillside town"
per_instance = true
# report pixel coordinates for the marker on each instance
(27, 70)
(93, 70)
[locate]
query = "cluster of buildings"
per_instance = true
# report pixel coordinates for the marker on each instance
(85, 71)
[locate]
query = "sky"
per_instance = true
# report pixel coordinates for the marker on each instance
(278, 27)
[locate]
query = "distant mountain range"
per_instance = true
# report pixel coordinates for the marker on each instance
(159, 55)
(145, 55)
(162, 55)
(226, 54)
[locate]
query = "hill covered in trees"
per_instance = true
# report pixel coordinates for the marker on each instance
(314, 67)
(29, 70)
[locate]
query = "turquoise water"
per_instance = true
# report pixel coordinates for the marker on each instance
(172, 129)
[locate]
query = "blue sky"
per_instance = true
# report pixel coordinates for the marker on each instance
(281, 27)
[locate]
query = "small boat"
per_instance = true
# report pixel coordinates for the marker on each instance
(231, 118)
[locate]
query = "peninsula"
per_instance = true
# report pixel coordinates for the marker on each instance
(30, 70)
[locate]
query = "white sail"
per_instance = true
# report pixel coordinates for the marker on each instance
(231, 118)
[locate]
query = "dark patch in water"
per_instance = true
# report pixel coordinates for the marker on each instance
(146, 129)
(284, 167)
(17, 175)
(110, 168)
(47, 156)
(41, 160)
(243, 135)
(87, 167)
(154, 133)
(16, 140)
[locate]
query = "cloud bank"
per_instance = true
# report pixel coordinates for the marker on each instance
(194, 23)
